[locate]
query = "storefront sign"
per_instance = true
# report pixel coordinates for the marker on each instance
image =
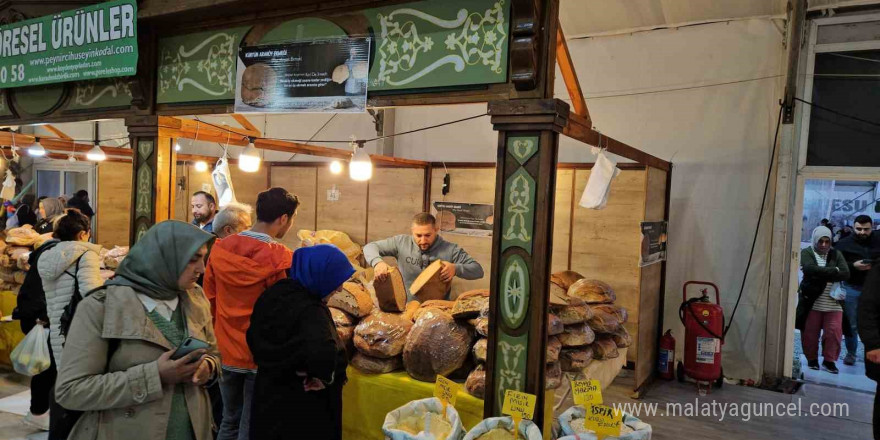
(465, 218)
(313, 76)
(83, 44)
(653, 242)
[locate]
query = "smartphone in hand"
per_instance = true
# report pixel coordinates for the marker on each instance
(188, 346)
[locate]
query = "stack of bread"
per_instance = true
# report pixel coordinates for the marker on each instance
(15, 248)
(605, 320)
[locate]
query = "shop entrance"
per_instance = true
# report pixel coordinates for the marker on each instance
(835, 203)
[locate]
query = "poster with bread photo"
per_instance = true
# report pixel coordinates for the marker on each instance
(653, 242)
(316, 76)
(465, 218)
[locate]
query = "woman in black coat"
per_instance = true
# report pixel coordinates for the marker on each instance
(300, 359)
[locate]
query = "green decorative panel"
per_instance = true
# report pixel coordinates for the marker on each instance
(144, 206)
(439, 44)
(519, 211)
(522, 148)
(198, 67)
(4, 108)
(303, 29)
(145, 148)
(510, 365)
(39, 100)
(141, 230)
(103, 93)
(514, 291)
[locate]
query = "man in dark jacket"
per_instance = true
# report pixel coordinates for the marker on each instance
(858, 249)
(869, 330)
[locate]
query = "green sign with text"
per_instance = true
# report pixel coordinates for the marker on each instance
(98, 41)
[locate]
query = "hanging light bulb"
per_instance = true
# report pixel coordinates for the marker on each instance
(36, 149)
(201, 166)
(71, 158)
(176, 145)
(336, 167)
(96, 154)
(360, 168)
(249, 159)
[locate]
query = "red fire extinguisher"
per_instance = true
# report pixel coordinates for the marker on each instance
(704, 335)
(666, 359)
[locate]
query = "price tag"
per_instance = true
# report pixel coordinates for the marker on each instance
(605, 420)
(518, 404)
(586, 392)
(446, 390)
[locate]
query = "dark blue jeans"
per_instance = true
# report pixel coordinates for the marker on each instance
(850, 308)
(237, 390)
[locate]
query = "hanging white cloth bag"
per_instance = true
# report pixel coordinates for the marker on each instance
(223, 183)
(599, 184)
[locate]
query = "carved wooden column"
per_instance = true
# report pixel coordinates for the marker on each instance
(522, 241)
(154, 173)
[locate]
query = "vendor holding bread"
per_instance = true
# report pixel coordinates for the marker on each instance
(414, 253)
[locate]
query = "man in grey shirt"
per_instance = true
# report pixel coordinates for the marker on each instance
(414, 253)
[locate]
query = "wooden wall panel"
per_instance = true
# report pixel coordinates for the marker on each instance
(650, 281)
(468, 185)
(248, 185)
(396, 195)
(113, 204)
(562, 220)
(606, 242)
(349, 213)
(194, 181)
(303, 182)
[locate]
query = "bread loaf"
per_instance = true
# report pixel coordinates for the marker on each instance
(476, 382)
(553, 348)
(570, 315)
(593, 292)
(344, 325)
(482, 327)
(346, 335)
(18, 276)
(16, 252)
(576, 336)
(622, 337)
(558, 295)
(43, 238)
(605, 348)
(428, 286)
(391, 292)
(22, 261)
(575, 360)
(565, 278)
(437, 344)
(352, 299)
(371, 365)
(552, 376)
(437, 304)
(603, 322)
(23, 236)
(469, 304)
(554, 325)
(481, 349)
(619, 312)
(382, 335)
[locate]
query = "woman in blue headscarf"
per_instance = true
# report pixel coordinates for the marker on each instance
(300, 360)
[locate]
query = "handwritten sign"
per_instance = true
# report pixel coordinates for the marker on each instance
(446, 390)
(586, 392)
(518, 404)
(605, 420)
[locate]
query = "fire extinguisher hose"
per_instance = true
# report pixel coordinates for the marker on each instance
(688, 305)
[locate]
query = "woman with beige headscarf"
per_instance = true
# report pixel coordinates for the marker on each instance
(50, 209)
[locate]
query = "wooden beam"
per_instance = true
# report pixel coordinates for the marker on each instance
(397, 161)
(81, 156)
(295, 147)
(57, 132)
(579, 129)
(569, 75)
(246, 124)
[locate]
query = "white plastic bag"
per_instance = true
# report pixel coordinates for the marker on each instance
(223, 183)
(837, 293)
(599, 184)
(420, 409)
(527, 429)
(640, 429)
(31, 356)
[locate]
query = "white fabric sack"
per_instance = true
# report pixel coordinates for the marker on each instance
(8, 191)
(641, 430)
(599, 184)
(527, 429)
(223, 183)
(31, 356)
(837, 292)
(419, 408)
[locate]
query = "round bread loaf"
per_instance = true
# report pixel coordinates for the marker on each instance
(437, 344)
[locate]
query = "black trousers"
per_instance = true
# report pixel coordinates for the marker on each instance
(42, 388)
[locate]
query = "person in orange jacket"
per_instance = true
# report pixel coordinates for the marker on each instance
(241, 267)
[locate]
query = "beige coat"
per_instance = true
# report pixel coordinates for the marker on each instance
(123, 398)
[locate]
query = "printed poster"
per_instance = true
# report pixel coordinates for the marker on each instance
(653, 243)
(465, 218)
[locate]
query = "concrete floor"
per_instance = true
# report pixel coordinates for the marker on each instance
(856, 425)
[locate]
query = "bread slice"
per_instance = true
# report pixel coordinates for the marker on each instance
(391, 292)
(428, 286)
(469, 304)
(352, 299)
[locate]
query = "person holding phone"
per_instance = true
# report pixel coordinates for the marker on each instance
(119, 365)
(859, 249)
(300, 360)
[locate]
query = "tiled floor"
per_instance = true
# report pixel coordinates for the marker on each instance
(849, 377)
(11, 427)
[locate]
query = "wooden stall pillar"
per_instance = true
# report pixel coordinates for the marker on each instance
(522, 241)
(154, 175)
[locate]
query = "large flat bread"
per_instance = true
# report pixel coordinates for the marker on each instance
(437, 344)
(352, 299)
(469, 304)
(428, 286)
(593, 292)
(382, 335)
(391, 292)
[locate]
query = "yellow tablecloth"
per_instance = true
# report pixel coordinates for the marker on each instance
(10, 332)
(366, 399)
